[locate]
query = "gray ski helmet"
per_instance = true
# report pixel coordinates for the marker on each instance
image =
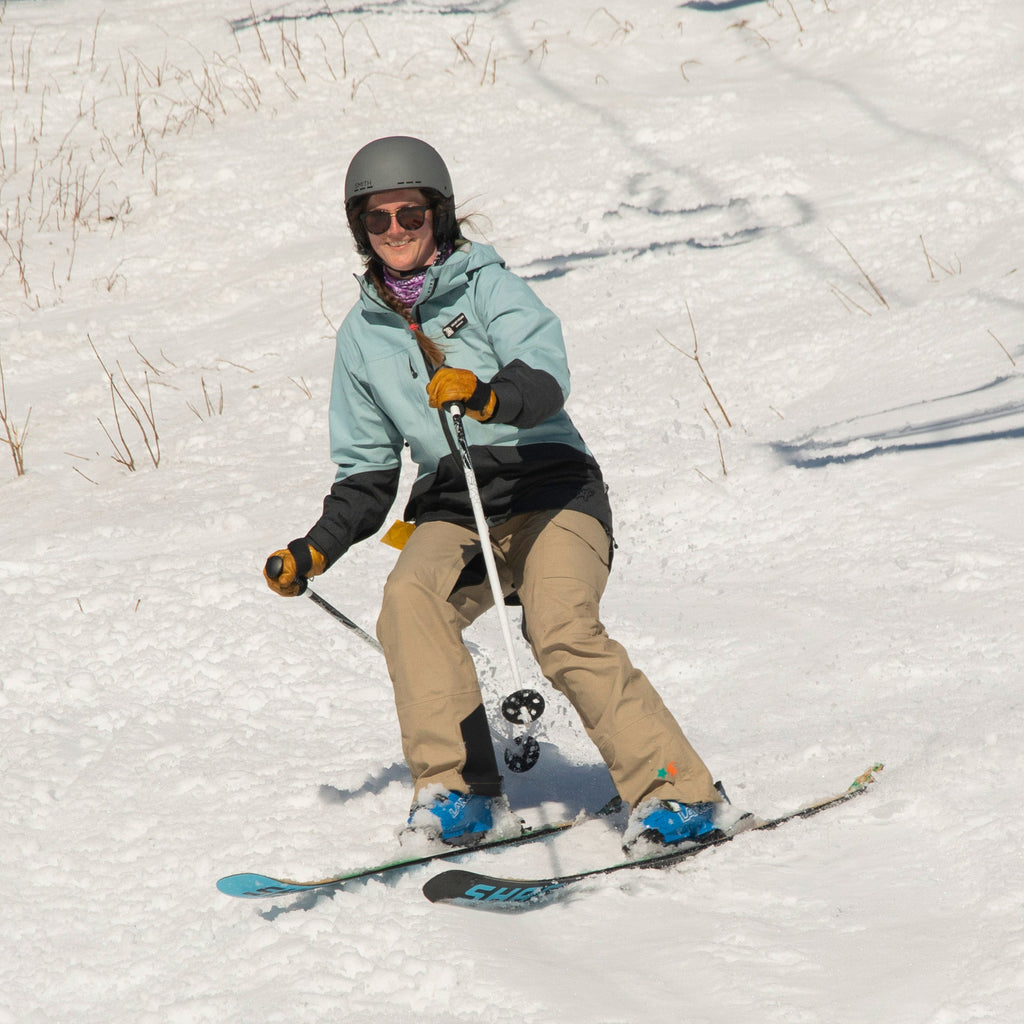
(397, 161)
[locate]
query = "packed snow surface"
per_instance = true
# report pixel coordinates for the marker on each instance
(785, 240)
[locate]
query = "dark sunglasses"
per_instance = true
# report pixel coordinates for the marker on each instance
(409, 217)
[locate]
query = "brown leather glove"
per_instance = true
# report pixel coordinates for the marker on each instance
(298, 562)
(450, 384)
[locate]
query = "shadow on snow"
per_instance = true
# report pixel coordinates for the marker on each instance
(814, 453)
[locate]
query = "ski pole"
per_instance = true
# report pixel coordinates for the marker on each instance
(275, 565)
(485, 540)
(530, 749)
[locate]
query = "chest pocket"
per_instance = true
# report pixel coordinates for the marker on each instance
(464, 341)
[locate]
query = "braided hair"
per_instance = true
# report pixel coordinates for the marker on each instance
(429, 347)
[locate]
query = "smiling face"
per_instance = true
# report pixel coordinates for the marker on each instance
(399, 248)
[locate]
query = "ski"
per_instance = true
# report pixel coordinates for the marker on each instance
(473, 889)
(249, 885)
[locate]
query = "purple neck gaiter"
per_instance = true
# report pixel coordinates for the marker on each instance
(407, 289)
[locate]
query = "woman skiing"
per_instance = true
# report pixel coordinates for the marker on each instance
(441, 320)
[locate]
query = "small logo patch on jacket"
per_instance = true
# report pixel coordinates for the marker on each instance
(457, 324)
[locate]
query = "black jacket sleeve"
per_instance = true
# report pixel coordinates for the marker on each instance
(354, 510)
(526, 397)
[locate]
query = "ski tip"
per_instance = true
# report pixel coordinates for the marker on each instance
(242, 885)
(866, 778)
(253, 886)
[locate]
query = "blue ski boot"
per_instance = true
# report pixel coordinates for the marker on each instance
(458, 819)
(657, 824)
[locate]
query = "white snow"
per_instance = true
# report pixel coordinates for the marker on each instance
(834, 190)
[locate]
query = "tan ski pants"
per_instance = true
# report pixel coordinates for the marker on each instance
(557, 562)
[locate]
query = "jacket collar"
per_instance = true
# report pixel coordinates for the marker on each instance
(453, 273)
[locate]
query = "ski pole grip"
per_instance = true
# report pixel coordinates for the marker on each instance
(274, 568)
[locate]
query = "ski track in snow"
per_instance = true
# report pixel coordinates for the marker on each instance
(827, 197)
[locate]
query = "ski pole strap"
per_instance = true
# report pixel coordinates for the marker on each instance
(299, 550)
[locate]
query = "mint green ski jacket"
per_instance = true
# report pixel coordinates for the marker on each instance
(528, 457)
